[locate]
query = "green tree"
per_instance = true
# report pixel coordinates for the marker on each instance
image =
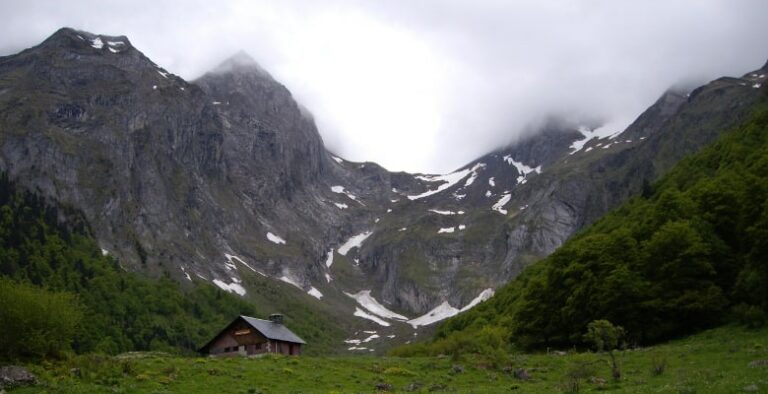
(606, 338)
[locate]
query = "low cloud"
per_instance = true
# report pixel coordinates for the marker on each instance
(427, 86)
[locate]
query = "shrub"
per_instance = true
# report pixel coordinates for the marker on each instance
(750, 315)
(398, 371)
(659, 364)
(36, 322)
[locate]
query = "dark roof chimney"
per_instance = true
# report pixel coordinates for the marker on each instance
(276, 318)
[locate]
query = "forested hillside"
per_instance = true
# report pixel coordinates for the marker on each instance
(55, 279)
(689, 253)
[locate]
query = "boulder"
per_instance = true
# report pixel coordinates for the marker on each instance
(15, 376)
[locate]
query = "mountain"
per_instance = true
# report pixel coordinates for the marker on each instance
(225, 180)
(522, 202)
(687, 255)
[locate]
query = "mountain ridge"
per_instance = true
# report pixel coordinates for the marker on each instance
(226, 180)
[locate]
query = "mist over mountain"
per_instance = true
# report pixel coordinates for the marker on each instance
(430, 87)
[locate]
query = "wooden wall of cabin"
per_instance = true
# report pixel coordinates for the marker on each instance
(239, 339)
(288, 348)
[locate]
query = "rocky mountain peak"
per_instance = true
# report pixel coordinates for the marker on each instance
(71, 39)
(241, 62)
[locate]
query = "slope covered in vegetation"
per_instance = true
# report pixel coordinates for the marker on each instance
(688, 254)
(54, 279)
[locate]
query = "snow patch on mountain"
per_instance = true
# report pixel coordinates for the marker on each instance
(234, 259)
(354, 242)
(233, 287)
(287, 279)
(448, 180)
(439, 212)
(522, 169)
(499, 206)
(315, 292)
(440, 312)
(474, 174)
(445, 310)
(365, 300)
(97, 43)
(371, 337)
(483, 296)
(189, 278)
(275, 239)
(329, 259)
(340, 190)
(446, 230)
(609, 130)
(361, 313)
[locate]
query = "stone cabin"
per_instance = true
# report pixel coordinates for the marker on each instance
(248, 336)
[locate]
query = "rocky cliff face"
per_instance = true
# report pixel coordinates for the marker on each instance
(227, 180)
(511, 207)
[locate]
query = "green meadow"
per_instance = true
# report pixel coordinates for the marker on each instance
(723, 360)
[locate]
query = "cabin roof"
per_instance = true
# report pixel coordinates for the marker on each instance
(269, 329)
(273, 330)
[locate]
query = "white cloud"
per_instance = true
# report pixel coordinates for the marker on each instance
(427, 86)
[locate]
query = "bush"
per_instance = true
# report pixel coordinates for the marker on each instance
(659, 365)
(750, 315)
(36, 323)
(489, 343)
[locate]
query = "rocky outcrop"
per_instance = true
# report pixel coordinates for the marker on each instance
(12, 376)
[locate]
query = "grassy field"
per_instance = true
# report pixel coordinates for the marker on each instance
(724, 360)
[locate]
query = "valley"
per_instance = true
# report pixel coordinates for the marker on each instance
(225, 180)
(141, 212)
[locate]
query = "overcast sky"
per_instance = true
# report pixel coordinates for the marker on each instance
(426, 86)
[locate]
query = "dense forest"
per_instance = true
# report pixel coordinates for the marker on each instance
(59, 293)
(688, 254)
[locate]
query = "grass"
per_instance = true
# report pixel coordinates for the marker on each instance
(715, 361)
